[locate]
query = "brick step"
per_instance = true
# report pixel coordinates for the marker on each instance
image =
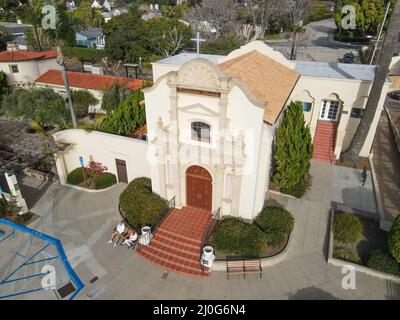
(186, 257)
(323, 144)
(175, 265)
(171, 245)
(161, 231)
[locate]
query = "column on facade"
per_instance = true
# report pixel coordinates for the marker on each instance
(341, 129)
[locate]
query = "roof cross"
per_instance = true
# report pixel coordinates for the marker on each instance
(198, 40)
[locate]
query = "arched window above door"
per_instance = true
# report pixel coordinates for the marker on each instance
(201, 131)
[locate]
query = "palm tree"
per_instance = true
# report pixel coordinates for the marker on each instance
(352, 154)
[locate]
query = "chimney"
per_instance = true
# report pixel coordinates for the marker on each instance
(12, 46)
(97, 69)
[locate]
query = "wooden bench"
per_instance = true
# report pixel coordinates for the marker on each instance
(242, 266)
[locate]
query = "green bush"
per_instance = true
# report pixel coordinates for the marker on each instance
(276, 223)
(104, 180)
(75, 176)
(394, 239)
(139, 205)
(347, 228)
(381, 261)
(299, 189)
(346, 255)
(234, 236)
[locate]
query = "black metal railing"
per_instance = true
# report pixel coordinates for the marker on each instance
(163, 215)
(205, 241)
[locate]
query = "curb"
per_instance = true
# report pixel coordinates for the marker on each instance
(357, 267)
(88, 190)
(265, 262)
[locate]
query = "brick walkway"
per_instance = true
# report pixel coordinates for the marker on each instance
(387, 167)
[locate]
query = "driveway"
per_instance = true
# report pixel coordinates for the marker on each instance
(316, 43)
(83, 222)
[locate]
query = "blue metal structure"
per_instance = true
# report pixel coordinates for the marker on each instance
(27, 251)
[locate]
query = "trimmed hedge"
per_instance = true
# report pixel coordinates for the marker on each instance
(76, 176)
(379, 260)
(347, 228)
(346, 255)
(298, 190)
(139, 205)
(394, 239)
(234, 236)
(276, 223)
(104, 180)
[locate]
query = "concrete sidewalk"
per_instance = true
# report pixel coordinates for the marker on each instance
(83, 221)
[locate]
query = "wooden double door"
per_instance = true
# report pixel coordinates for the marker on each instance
(198, 188)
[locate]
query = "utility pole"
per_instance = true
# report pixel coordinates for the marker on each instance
(61, 61)
(380, 33)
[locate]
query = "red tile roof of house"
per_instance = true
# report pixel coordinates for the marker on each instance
(87, 80)
(26, 55)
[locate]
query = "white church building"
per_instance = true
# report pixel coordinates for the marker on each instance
(211, 124)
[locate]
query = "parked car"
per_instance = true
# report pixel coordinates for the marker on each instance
(347, 58)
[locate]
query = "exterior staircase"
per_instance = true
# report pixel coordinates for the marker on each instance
(176, 243)
(324, 141)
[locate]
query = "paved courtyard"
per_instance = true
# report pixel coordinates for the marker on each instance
(83, 222)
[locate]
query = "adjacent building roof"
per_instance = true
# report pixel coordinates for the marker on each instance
(87, 80)
(26, 55)
(336, 70)
(268, 80)
(184, 57)
(91, 33)
(14, 28)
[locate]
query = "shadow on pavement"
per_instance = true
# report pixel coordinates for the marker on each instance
(312, 293)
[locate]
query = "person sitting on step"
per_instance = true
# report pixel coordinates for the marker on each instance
(118, 232)
(130, 241)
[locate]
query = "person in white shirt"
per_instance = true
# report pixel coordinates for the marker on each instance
(118, 232)
(131, 240)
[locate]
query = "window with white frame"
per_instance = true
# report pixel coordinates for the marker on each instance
(201, 131)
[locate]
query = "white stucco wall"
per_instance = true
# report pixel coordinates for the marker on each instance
(104, 148)
(350, 92)
(29, 71)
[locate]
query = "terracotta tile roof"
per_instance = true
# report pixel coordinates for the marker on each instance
(268, 80)
(141, 131)
(26, 55)
(87, 80)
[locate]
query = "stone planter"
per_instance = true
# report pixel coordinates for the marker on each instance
(146, 236)
(208, 257)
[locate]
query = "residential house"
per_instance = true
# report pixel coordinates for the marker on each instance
(96, 83)
(22, 67)
(16, 31)
(91, 38)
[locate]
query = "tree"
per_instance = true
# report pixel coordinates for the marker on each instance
(298, 12)
(82, 100)
(113, 96)
(261, 12)
(38, 37)
(391, 38)
(369, 15)
(4, 87)
(394, 239)
(128, 116)
(165, 37)
(44, 106)
(85, 16)
(4, 38)
(222, 45)
(220, 15)
(293, 149)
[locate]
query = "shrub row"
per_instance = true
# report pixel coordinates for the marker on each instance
(235, 236)
(139, 205)
(379, 260)
(102, 181)
(75, 176)
(347, 228)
